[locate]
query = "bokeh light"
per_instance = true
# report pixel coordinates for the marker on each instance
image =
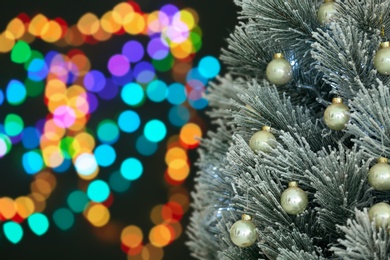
(155, 130)
(77, 201)
(129, 121)
(63, 218)
(132, 94)
(158, 68)
(98, 191)
(13, 231)
(131, 169)
(38, 223)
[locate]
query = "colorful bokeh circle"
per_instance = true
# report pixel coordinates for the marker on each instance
(75, 134)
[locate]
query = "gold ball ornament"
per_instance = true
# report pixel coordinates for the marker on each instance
(379, 175)
(380, 213)
(243, 232)
(294, 200)
(382, 59)
(326, 11)
(262, 140)
(279, 70)
(337, 115)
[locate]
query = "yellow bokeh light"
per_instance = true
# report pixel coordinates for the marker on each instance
(52, 156)
(74, 91)
(186, 17)
(51, 31)
(175, 153)
(183, 49)
(56, 100)
(84, 141)
(134, 23)
(37, 24)
(121, 11)
(194, 14)
(88, 24)
(24, 206)
(131, 236)
(55, 86)
(98, 215)
(178, 169)
(7, 41)
(16, 28)
(109, 24)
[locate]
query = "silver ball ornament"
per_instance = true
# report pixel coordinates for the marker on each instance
(279, 70)
(262, 140)
(243, 232)
(294, 200)
(379, 175)
(326, 11)
(382, 59)
(380, 213)
(337, 115)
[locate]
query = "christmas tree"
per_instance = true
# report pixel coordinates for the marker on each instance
(296, 165)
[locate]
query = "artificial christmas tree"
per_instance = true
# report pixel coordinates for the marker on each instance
(337, 51)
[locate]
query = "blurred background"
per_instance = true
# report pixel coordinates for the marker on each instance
(101, 105)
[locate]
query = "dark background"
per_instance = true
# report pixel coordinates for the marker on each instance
(217, 20)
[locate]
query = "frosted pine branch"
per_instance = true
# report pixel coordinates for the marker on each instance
(363, 240)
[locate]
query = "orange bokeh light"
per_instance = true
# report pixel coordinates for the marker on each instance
(51, 31)
(16, 28)
(7, 208)
(88, 24)
(134, 23)
(190, 135)
(131, 236)
(161, 235)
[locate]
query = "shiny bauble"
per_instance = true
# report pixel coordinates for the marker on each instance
(262, 140)
(279, 70)
(294, 200)
(243, 232)
(380, 213)
(379, 175)
(326, 12)
(336, 115)
(382, 59)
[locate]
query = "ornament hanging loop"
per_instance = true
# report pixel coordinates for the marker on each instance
(246, 217)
